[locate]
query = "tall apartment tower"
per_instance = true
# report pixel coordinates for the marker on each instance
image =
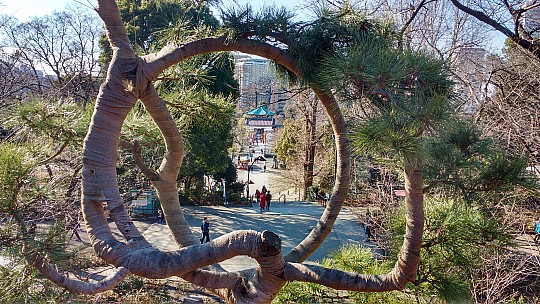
(531, 20)
(471, 69)
(258, 83)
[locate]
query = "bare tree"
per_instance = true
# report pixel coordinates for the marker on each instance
(311, 156)
(433, 25)
(64, 44)
(510, 112)
(501, 278)
(517, 20)
(16, 79)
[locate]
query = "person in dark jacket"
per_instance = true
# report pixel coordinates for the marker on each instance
(205, 228)
(268, 199)
(258, 195)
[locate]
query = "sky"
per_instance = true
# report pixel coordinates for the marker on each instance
(24, 9)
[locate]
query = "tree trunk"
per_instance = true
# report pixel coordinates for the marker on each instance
(406, 267)
(311, 144)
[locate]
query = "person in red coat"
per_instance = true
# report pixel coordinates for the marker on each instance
(263, 201)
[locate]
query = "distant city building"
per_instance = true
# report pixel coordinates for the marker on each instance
(471, 77)
(531, 20)
(259, 84)
(18, 79)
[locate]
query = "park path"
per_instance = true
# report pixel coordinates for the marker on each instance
(291, 221)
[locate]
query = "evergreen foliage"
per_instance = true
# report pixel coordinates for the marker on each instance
(151, 25)
(456, 236)
(404, 94)
(285, 147)
(207, 122)
(22, 185)
(462, 162)
(348, 258)
(407, 118)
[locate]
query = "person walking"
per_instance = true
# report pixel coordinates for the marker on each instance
(268, 199)
(368, 226)
(258, 195)
(75, 232)
(160, 216)
(75, 225)
(367, 229)
(263, 190)
(205, 228)
(263, 201)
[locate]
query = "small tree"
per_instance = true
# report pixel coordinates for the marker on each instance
(301, 143)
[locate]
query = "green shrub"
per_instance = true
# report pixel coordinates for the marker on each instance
(347, 258)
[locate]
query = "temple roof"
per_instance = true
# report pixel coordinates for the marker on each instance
(261, 111)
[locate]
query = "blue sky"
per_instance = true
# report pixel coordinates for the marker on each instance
(24, 9)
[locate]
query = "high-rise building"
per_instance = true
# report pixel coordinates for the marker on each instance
(259, 84)
(471, 76)
(531, 20)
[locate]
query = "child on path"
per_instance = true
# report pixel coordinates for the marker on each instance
(205, 228)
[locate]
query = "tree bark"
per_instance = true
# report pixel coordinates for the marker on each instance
(311, 144)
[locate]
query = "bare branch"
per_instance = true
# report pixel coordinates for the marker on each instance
(484, 18)
(410, 20)
(525, 42)
(75, 285)
(135, 148)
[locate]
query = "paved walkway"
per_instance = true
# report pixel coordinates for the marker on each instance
(291, 221)
(270, 178)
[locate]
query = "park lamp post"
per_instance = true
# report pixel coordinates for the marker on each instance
(225, 203)
(249, 182)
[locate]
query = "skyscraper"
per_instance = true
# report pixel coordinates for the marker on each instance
(471, 76)
(258, 82)
(531, 20)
